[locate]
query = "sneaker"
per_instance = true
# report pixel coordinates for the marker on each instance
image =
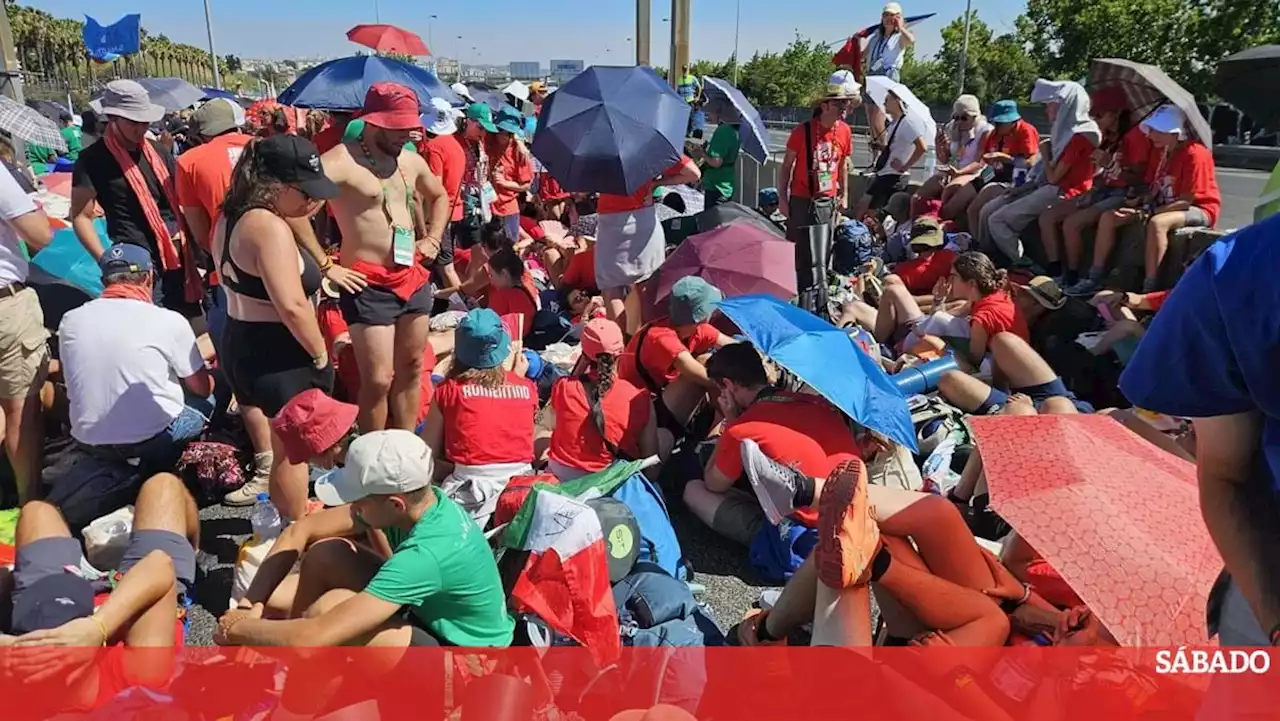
(247, 495)
(775, 484)
(848, 538)
(1084, 288)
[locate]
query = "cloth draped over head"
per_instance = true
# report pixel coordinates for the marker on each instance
(1073, 113)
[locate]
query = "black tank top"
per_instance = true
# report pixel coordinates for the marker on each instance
(251, 286)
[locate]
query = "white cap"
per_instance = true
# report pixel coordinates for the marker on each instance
(841, 84)
(517, 89)
(1166, 119)
(892, 9)
(462, 92)
(442, 118)
(378, 464)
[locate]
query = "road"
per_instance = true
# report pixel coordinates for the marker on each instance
(1240, 188)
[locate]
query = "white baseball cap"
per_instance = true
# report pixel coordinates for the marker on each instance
(442, 118)
(462, 92)
(378, 464)
(892, 9)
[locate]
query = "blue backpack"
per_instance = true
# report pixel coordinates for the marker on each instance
(659, 545)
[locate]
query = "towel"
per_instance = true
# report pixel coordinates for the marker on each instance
(1073, 113)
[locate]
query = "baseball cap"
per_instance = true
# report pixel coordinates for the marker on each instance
(510, 120)
(621, 535)
(892, 9)
(482, 114)
(51, 602)
(442, 118)
(312, 423)
(926, 232)
(129, 100)
(693, 300)
(391, 106)
(217, 117)
(602, 336)
(537, 86)
(462, 92)
(378, 464)
(1045, 292)
(295, 161)
(481, 340)
(125, 258)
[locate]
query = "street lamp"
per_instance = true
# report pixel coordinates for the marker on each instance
(737, 25)
(964, 52)
(213, 53)
(377, 12)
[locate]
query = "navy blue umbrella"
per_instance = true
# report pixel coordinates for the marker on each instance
(733, 107)
(341, 84)
(211, 93)
(611, 130)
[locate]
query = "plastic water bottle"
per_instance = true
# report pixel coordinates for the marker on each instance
(930, 162)
(266, 520)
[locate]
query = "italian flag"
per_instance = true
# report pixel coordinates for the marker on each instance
(566, 579)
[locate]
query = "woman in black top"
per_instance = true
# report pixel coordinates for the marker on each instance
(273, 348)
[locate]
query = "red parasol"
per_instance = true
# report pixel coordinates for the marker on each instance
(388, 39)
(740, 258)
(1117, 517)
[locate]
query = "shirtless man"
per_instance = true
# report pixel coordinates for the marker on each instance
(392, 213)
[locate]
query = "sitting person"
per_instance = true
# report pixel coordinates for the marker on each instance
(1182, 193)
(666, 356)
(511, 289)
(596, 416)
(474, 268)
(481, 424)
(932, 262)
(960, 149)
(1068, 173)
(1123, 159)
(907, 144)
(1012, 144)
(53, 605)
(1022, 371)
(796, 429)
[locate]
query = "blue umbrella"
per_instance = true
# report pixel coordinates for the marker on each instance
(611, 130)
(211, 93)
(734, 107)
(341, 84)
(826, 358)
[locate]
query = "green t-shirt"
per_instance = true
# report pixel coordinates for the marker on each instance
(724, 145)
(355, 129)
(39, 157)
(444, 571)
(74, 142)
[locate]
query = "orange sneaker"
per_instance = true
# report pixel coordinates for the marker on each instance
(848, 538)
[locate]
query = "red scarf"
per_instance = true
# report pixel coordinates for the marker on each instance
(168, 245)
(128, 291)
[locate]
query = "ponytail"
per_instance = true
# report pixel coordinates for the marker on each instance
(976, 268)
(250, 187)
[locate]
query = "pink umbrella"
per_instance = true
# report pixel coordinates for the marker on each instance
(739, 258)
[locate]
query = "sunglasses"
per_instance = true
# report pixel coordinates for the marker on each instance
(961, 117)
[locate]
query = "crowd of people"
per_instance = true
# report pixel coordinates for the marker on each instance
(367, 294)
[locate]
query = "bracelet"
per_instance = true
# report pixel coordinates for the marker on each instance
(102, 628)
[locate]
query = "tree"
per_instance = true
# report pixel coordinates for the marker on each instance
(791, 78)
(233, 63)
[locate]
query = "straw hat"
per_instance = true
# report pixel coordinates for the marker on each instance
(841, 86)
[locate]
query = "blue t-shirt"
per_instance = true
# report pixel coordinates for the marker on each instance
(1213, 349)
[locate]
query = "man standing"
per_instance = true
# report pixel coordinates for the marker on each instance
(392, 213)
(71, 133)
(129, 176)
(447, 158)
(23, 352)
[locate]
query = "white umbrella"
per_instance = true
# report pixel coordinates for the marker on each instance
(29, 126)
(917, 113)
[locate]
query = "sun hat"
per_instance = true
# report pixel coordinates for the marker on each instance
(842, 85)
(891, 9)
(217, 117)
(967, 105)
(1005, 111)
(462, 91)
(1046, 292)
(510, 120)
(926, 232)
(621, 536)
(129, 100)
(602, 336)
(481, 340)
(295, 161)
(391, 106)
(693, 300)
(125, 258)
(312, 423)
(378, 464)
(1166, 119)
(1108, 99)
(482, 114)
(442, 118)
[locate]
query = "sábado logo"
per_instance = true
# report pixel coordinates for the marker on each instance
(1212, 661)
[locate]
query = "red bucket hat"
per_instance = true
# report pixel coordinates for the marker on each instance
(1109, 99)
(392, 107)
(312, 423)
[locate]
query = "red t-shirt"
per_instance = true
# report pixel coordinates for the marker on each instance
(1078, 159)
(661, 348)
(795, 429)
(1022, 141)
(512, 163)
(923, 272)
(1187, 172)
(488, 425)
(830, 149)
(332, 326)
(581, 271)
(1156, 300)
(607, 203)
(1134, 150)
(204, 176)
(532, 227)
(447, 159)
(576, 442)
(997, 313)
(514, 301)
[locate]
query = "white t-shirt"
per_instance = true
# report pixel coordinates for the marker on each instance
(903, 136)
(122, 360)
(884, 54)
(13, 203)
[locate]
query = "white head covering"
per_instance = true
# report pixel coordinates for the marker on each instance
(1073, 113)
(892, 8)
(442, 118)
(462, 92)
(842, 84)
(1166, 119)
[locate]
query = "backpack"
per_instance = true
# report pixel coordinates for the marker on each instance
(935, 421)
(659, 544)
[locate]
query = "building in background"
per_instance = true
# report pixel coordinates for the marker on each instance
(526, 71)
(563, 70)
(446, 68)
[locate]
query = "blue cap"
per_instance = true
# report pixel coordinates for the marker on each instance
(481, 340)
(510, 120)
(125, 258)
(1005, 111)
(768, 196)
(693, 300)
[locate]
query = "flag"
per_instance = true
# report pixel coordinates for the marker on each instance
(565, 581)
(106, 43)
(850, 54)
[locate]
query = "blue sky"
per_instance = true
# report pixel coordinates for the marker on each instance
(499, 31)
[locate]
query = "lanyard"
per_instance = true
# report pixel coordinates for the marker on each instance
(386, 195)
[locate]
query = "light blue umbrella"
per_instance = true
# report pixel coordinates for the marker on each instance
(826, 358)
(736, 108)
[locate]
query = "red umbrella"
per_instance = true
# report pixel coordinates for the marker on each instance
(388, 39)
(1117, 517)
(740, 258)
